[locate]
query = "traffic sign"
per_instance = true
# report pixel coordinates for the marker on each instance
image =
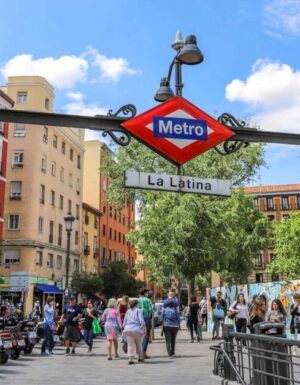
(177, 130)
(177, 183)
(19, 281)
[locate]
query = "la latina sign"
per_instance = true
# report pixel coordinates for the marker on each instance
(177, 183)
(177, 130)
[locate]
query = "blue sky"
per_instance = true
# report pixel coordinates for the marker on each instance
(103, 54)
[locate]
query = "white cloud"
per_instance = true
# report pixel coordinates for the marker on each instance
(111, 69)
(272, 92)
(63, 72)
(76, 96)
(282, 16)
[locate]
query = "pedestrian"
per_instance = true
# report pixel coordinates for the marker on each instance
(37, 309)
(71, 315)
(145, 304)
(123, 307)
(257, 313)
(171, 295)
(194, 319)
(295, 318)
(89, 315)
(171, 325)
(240, 312)
(203, 312)
(134, 328)
(48, 326)
(277, 312)
(219, 307)
(112, 327)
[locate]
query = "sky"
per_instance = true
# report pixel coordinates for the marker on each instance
(100, 55)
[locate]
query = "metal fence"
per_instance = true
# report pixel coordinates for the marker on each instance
(255, 359)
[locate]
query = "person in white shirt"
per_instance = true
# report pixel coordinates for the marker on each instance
(240, 309)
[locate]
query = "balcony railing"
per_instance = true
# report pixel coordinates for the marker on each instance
(86, 250)
(96, 253)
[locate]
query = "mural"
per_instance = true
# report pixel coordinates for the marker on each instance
(284, 290)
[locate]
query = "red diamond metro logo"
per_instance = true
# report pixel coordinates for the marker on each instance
(177, 130)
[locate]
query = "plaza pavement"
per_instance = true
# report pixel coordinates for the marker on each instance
(192, 365)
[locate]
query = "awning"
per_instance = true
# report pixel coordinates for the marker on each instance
(49, 289)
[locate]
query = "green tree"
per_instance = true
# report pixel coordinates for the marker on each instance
(86, 284)
(117, 281)
(287, 247)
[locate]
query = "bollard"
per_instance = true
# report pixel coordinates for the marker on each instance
(229, 373)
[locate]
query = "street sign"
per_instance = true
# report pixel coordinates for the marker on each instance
(19, 281)
(177, 183)
(177, 130)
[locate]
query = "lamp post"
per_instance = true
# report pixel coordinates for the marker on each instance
(187, 53)
(69, 219)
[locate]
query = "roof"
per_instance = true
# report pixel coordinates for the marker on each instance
(273, 189)
(6, 98)
(91, 209)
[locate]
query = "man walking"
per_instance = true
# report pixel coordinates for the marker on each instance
(146, 305)
(71, 314)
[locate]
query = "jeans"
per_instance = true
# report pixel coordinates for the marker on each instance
(170, 335)
(241, 325)
(148, 324)
(88, 338)
(194, 326)
(216, 328)
(48, 340)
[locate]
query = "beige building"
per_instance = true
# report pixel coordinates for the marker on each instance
(44, 179)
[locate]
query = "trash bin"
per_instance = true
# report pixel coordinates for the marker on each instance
(267, 360)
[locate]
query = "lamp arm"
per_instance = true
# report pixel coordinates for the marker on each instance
(171, 69)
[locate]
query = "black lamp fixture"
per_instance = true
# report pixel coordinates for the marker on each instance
(187, 53)
(69, 219)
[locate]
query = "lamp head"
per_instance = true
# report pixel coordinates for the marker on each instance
(190, 53)
(178, 43)
(164, 92)
(69, 219)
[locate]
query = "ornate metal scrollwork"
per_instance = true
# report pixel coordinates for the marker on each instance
(231, 145)
(124, 138)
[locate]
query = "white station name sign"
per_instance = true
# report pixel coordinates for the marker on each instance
(177, 183)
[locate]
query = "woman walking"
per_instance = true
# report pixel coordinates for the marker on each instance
(240, 309)
(257, 313)
(295, 320)
(171, 325)
(48, 343)
(89, 315)
(123, 307)
(194, 319)
(277, 312)
(112, 327)
(134, 329)
(219, 307)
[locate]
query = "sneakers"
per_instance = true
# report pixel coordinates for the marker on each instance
(45, 354)
(68, 352)
(73, 353)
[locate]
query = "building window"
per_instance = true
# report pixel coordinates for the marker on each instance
(41, 225)
(77, 212)
(15, 190)
(115, 256)
(71, 154)
(78, 162)
(95, 246)
(14, 222)
(96, 222)
(104, 209)
(285, 203)
(54, 141)
(39, 258)
(259, 278)
(18, 159)
(115, 215)
(22, 97)
(119, 237)
(258, 261)
(45, 135)
(61, 202)
(78, 186)
(103, 230)
(50, 260)
(286, 216)
(76, 265)
(52, 198)
(110, 211)
(270, 203)
(51, 232)
(115, 235)
(11, 257)
(63, 147)
(124, 220)
(42, 194)
(47, 103)
(58, 262)
(104, 264)
(76, 237)
(70, 180)
(69, 206)
(271, 217)
(44, 163)
(62, 174)
(53, 168)
(60, 231)
(110, 233)
(85, 239)
(123, 239)
(298, 202)
(20, 129)
(272, 257)
(86, 219)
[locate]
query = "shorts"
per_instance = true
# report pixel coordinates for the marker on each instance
(72, 333)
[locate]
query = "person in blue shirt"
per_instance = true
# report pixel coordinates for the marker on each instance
(49, 313)
(171, 325)
(71, 315)
(171, 296)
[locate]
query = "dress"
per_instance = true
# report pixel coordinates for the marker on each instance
(113, 324)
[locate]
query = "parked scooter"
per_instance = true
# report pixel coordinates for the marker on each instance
(27, 329)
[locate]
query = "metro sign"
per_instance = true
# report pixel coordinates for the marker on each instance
(177, 130)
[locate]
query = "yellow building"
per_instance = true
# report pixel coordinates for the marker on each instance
(90, 245)
(44, 179)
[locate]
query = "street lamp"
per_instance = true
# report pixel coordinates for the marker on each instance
(187, 53)
(69, 219)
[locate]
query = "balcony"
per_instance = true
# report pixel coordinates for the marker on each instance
(96, 253)
(86, 250)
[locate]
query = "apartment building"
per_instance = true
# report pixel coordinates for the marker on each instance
(5, 102)
(90, 246)
(277, 202)
(44, 183)
(114, 224)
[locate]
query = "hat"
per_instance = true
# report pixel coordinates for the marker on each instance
(72, 297)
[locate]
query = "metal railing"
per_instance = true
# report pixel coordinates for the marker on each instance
(257, 359)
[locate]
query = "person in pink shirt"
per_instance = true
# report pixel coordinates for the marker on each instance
(112, 327)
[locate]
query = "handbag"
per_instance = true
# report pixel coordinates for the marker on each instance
(124, 345)
(59, 329)
(218, 312)
(96, 327)
(231, 314)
